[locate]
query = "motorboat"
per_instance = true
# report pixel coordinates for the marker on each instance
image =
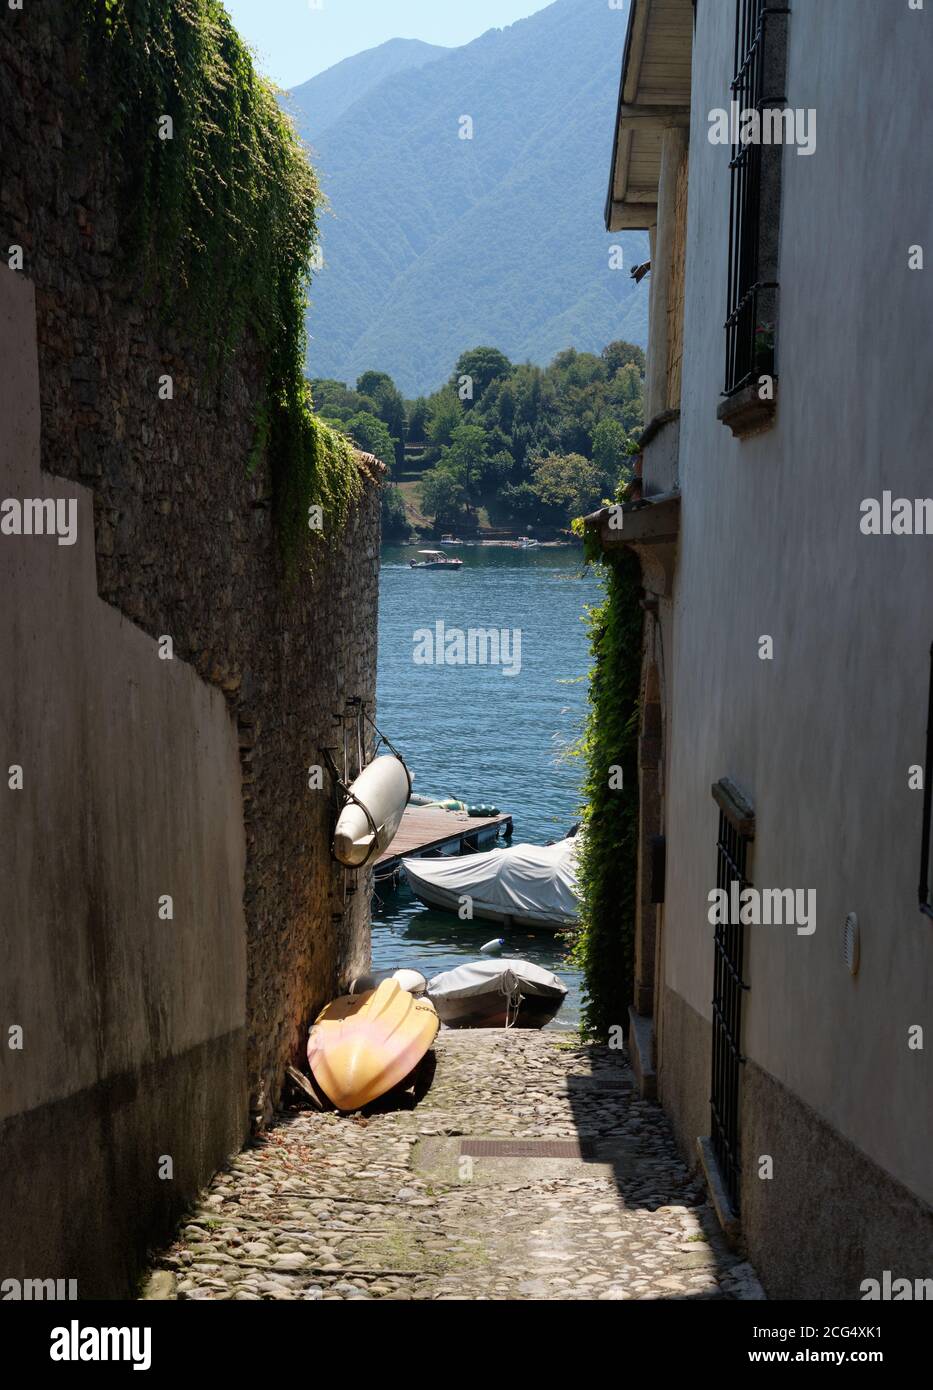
(436, 560)
(524, 886)
(363, 1045)
(496, 994)
(451, 540)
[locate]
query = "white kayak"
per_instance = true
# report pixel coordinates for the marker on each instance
(382, 791)
(525, 886)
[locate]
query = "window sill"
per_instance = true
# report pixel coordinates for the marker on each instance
(746, 413)
(725, 1214)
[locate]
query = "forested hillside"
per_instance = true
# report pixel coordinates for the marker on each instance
(498, 443)
(434, 240)
(321, 102)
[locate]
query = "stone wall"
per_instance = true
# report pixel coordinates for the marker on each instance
(186, 545)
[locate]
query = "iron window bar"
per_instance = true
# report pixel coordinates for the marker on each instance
(736, 832)
(926, 903)
(748, 289)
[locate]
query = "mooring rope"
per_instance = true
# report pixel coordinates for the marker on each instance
(512, 991)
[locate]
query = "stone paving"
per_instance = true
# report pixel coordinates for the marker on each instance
(384, 1206)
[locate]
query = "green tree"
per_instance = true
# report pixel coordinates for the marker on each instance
(390, 407)
(443, 495)
(337, 401)
(444, 415)
(505, 406)
(496, 470)
(517, 502)
(371, 434)
(567, 486)
(610, 450)
(417, 430)
(619, 354)
(480, 366)
(395, 525)
(466, 456)
(572, 368)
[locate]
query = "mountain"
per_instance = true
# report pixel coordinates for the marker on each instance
(323, 100)
(435, 244)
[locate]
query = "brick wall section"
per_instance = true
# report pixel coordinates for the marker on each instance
(184, 537)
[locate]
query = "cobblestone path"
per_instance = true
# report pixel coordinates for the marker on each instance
(384, 1205)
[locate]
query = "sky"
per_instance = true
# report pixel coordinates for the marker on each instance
(296, 39)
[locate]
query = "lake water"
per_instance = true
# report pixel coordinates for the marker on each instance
(476, 733)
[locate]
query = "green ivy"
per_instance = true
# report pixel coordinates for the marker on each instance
(221, 218)
(604, 947)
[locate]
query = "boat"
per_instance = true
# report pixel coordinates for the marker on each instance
(451, 540)
(436, 560)
(372, 812)
(411, 980)
(496, 994)
(528, 543)
(479, 810)
(525, 886)
(362, 1045)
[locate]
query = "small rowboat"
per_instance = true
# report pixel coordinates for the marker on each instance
(362, 1045)
(497, 994)
(436, 560)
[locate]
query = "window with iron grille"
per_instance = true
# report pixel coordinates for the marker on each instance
(926, 900)
(736, 832)
(755, 198)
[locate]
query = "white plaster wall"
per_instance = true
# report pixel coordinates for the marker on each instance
(132, 790)
(820, 738)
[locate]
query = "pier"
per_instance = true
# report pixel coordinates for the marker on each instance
(428, 830)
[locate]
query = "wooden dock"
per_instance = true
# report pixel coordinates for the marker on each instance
(427, 830)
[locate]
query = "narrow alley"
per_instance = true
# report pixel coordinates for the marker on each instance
(466, 673)
(592, 1202)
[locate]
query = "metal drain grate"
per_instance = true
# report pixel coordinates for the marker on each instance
(528, 1148)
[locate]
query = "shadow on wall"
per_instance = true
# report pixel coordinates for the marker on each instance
(124, 963)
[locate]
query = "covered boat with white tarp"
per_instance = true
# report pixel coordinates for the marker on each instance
(496, 994)
(525, 886)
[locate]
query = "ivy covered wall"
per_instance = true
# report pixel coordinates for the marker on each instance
(609, 848)
(168, 279)
(218, 208)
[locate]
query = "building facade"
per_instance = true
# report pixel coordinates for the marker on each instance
(784, 961)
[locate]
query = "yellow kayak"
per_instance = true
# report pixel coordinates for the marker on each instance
(362, 1045)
